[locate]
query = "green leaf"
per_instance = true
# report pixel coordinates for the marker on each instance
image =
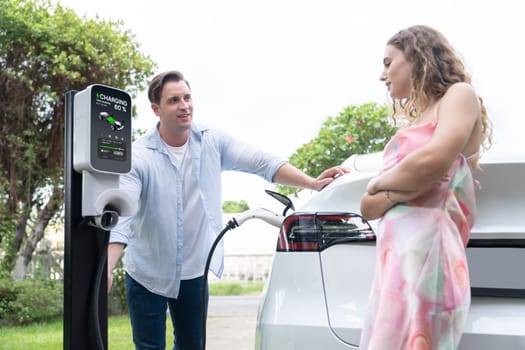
(368, 126)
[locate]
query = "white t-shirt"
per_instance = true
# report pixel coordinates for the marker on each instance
(195, 243)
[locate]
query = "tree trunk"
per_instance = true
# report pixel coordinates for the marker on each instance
(14, 243)
(20, 232)
(37, 233)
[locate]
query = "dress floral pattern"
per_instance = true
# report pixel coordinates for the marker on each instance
(421, 290)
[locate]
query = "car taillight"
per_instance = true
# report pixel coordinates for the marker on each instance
(318, 231)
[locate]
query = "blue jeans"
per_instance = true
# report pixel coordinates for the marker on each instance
(147, 312)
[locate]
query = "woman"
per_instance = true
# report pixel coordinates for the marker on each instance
(424, 196)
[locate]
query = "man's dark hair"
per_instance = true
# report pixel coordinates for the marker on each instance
(158, 82)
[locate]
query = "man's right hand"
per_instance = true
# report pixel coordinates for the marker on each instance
(114, 252)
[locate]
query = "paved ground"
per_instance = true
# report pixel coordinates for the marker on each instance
(231, 322)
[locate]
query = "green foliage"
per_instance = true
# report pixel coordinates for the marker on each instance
(45, 51)
(356, 130)
(7, 230)
(7, 297)
(234, 206)
(30, 301)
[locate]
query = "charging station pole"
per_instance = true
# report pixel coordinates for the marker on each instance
(83, 247)
(97, 149)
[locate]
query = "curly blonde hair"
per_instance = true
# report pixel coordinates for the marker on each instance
(435, 67)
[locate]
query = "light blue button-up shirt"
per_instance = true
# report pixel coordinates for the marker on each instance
(153, 236)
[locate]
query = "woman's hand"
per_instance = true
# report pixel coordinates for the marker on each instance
(402, 196)
(371, 188)
(373, 206)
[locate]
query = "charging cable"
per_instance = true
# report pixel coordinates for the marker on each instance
(96, 292)
(104, 223)
(88, 221)
(259, 213)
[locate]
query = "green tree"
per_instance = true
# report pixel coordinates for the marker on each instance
(45, 51)
(234, 206)
(356, 130)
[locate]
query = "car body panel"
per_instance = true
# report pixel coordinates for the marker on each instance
(295, 317)
(329, 289)
(343, 266)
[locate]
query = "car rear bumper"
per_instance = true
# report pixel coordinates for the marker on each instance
(295, 317)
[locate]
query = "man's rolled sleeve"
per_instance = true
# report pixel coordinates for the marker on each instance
(119, 233)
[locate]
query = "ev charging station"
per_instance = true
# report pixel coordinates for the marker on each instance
(97, 150)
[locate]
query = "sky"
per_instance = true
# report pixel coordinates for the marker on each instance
(271, 72)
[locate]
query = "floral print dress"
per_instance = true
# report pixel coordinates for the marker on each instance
(421, 290)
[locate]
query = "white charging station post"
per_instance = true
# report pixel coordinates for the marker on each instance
(97, 151)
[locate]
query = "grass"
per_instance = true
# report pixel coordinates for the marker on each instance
(41, 336)
(49, 336)
(235, 288)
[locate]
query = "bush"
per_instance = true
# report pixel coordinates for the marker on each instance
(30, 301)
(7, 297)
(234, 206)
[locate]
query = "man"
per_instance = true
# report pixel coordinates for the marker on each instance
(176, 179)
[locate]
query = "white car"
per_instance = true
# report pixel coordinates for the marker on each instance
(317, 292)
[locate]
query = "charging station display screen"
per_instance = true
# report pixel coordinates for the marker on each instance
(112, 149)
(111, 127)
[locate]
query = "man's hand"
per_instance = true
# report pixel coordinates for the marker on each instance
(328, 176)
(114, 252)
